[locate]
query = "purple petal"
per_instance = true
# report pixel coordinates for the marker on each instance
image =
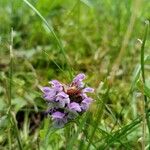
(77, 81)
(62, 102)
(83, 95)
(50, 95)
(85, 103)
(57, 85)
(63, 99)
(74, 106)
(67, 100)
(48, 98)
(63, 95)
(84, 106)
(87, 100)
(55, 82)
(58, 115)
(46, 89)
(88, 89)
(79, 77)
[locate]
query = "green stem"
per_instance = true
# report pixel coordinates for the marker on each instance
(59, 43)
(143, 77)
(10, 113)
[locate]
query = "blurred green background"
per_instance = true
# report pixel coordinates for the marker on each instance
(101, 38)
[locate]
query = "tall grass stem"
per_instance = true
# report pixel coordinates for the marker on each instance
(145, 102)
(11, 115)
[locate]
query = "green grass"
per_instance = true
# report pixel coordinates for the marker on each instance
(56, 39)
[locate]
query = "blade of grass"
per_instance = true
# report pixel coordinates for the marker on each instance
(10, 113)
(10, 81)
(10, 67)
(115, 67)
(48, 26)
(117, 136)
(121, 133)
(60, 46)
(145, 102)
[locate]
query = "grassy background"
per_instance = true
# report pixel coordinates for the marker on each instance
(101, 38)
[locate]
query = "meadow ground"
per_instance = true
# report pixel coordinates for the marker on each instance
(108, 40)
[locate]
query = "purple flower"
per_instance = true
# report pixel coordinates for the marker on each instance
(62, 98)
(59, 119)
(74, 107)
(46, 89)
(66, 102)
(58, 115)
(49, 93)
(77, 81)
(88, 90)
(85, 103)
(56, 85)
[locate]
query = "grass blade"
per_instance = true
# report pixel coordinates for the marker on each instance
(11, 115)
(145, 102)
(48, 26)
(60, 46)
